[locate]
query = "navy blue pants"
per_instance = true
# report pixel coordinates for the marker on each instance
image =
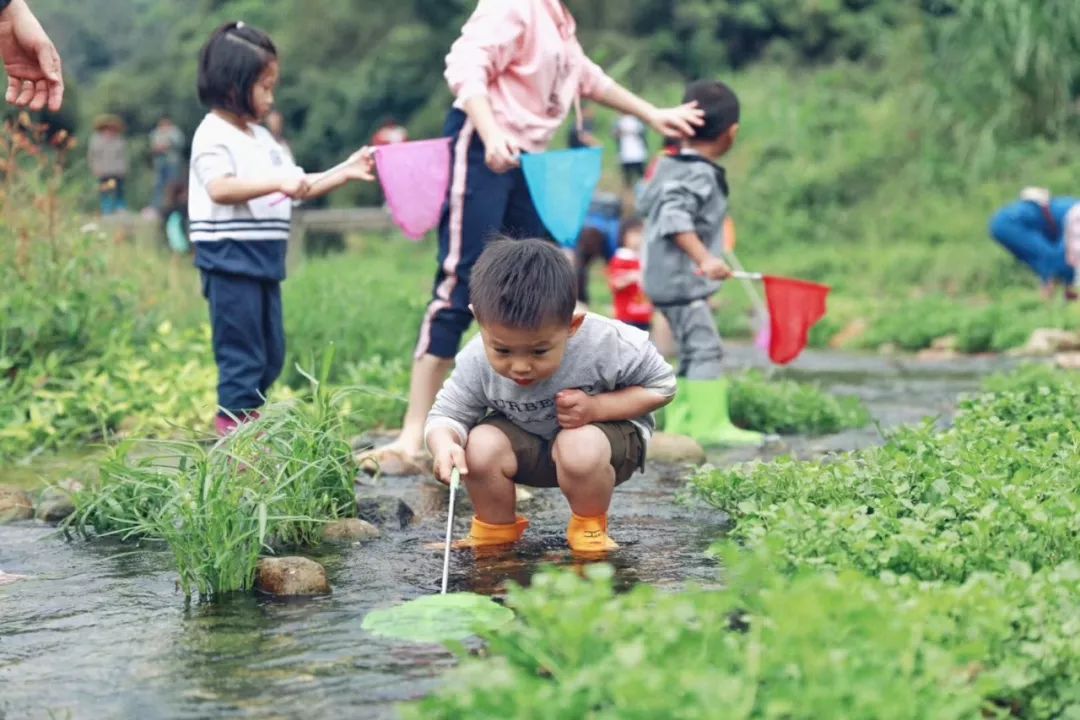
(1024, 230)
(481, 205)
(248, 337)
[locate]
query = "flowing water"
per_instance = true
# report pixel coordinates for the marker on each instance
(98, 630)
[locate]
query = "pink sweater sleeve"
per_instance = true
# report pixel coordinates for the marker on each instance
(594, 81)
(485, 48)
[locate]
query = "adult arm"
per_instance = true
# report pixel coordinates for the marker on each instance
(678, 121)
(486, 48)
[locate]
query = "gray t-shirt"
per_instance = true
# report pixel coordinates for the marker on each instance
(603, 356)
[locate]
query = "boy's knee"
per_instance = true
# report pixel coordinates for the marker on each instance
(581, 450)
(488, 449)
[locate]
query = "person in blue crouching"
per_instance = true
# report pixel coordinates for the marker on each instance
(1035, 230)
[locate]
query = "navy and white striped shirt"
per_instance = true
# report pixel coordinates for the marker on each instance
(250, 238)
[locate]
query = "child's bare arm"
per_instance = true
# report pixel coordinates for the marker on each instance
(230, 190)
(576, 409)
(360, 167)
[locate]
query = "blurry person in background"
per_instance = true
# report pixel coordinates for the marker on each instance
(167, 149)
(1035, 230)
(633, 148)
(390, 133)
(107, 155)
(35, 77)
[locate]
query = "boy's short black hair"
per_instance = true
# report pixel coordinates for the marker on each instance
(230, 64)
(527, 284)
(720, 104)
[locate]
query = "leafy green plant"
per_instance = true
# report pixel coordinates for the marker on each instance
(811, 645)
(158, 389)
(775, 405)
(995, 489)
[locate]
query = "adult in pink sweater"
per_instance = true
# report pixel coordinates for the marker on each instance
(517, 71)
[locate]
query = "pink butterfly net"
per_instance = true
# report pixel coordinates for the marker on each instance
(415, 177)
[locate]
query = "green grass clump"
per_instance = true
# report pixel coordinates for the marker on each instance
(787, 407)
(272, 484)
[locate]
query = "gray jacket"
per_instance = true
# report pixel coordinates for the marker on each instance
(688, 193)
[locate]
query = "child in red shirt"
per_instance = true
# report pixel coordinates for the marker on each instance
(624, 278)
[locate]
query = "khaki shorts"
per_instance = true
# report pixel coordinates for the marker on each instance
(536, 468)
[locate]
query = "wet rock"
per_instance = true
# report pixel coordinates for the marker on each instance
(669, 449)
(55, 503)
(381, 510)
(14, 504)
(349, 530)
(1068, 361)
(1047, 341)
(946, 342)
(55, 509)
(933, 354)
(849, 333)
(291, 577)
(6, 579)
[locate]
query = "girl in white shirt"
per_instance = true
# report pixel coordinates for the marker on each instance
(239, 206)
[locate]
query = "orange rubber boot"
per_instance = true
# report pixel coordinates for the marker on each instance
(589, 534)
(484, 534)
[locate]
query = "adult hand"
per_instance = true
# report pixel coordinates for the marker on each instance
(679, 121)
(33, 67)
(574, 409)
(501, 152)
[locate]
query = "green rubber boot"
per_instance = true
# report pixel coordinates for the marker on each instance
(676, 414)
(707, 419)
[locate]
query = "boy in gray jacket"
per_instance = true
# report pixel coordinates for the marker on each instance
(685, 204)
(545, 396)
